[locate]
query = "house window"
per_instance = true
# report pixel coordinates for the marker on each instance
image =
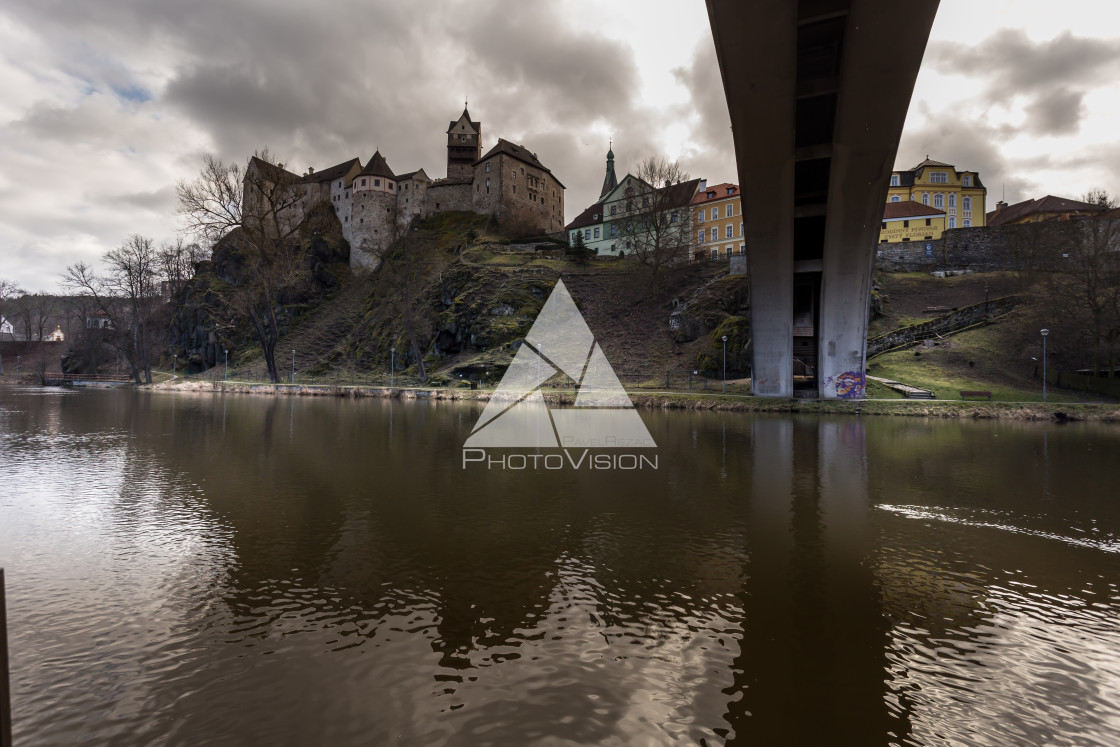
(925, 198)
(929, 222)
(700, 217)
(938, 177)
(742, 248)
(894, 180)
(596, 233)
(715, 254)
(614, 229)
(967, 180)
(613, 209)
(740, 228)
(966, 223)
(895, 198)
(700, 236)
(730, 210)
(715, 234)
(730, 231)
(952, 200)
(966, 204)
(905, 224)
(939, 200)
(674, 218)
(587, 233)
(952, 221)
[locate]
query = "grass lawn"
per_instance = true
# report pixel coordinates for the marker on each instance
(972, 361)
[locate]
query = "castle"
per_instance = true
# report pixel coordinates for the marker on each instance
(374, 205)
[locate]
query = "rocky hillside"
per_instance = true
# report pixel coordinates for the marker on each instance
(471, 296)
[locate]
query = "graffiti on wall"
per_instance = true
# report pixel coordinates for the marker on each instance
(850, 385)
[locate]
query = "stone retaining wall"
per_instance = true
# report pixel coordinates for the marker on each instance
(942, 325)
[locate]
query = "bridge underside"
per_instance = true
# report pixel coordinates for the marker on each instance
(818, 92)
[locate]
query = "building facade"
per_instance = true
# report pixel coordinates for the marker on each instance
(959, 194)
(618, 223)
(717, 222)
(1042, 209)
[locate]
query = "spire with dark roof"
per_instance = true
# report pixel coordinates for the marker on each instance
(610, 181)
(378, 166)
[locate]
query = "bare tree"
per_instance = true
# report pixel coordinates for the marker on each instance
(127, 295)
(8, 291)
(1099, 196)
(261, 210)
(177, 261)
(657, 223)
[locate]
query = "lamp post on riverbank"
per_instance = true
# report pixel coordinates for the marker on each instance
(392, 365)
(226, 375)
(174, 364)
(1045, 332)
(725, 364)
(293, 365)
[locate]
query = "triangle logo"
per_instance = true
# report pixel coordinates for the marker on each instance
(517, 415)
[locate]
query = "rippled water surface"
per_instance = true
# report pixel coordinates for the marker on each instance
(188, 570)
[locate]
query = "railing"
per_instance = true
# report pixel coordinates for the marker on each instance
(5, 687)
(62, 378)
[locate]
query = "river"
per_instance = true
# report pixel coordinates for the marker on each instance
(240, 570)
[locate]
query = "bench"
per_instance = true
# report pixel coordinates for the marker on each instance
(938, 309)
(966, 395)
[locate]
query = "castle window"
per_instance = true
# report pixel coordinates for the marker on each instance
(487, 167)
(377, 182)
(361, 220)
(390, 185)
(515, 189)
(363, 182)
(674, 218)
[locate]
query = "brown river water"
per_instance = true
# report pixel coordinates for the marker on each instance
(243, 570)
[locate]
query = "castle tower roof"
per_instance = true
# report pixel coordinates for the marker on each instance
(378, 166)
(466, 115)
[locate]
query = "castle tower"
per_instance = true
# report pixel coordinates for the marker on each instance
(610, 181)
(373, 213)
(464, 146)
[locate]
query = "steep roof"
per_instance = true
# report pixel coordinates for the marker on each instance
(928, 162)
(519, 152)
(334, 172)
(1040, 206)
(409, 175)
(718, 192)
(682, 193)
(471, 122)
(588, 217)
(378, 166)
(271, 170)
(909, 209)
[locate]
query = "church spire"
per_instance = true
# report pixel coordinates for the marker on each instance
(610, 181)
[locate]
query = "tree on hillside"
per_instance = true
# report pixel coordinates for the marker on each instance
(262, 211)
(127, 295)
(657, 225)
(1099, 196)
(8, 291)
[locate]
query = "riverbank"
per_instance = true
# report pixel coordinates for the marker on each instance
(1036, 411)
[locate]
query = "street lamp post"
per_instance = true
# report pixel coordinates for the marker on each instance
(392, 365)
(293, 365)
(174, 364)
(226, 376)
(725, 364)
(1045, 332)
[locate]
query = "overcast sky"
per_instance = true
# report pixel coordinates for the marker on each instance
(105, 105)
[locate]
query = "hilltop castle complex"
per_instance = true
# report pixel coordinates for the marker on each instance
(373, 204)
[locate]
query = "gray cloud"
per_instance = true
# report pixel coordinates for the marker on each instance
(1051, 75)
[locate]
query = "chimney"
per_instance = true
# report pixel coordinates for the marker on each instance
(703, 185)
(310, 169)
(1000, 206)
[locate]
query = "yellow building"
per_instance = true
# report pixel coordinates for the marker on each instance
(717, 222)
(910, 221)
(959, 194)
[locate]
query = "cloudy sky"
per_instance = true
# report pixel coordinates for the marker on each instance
(106, 105)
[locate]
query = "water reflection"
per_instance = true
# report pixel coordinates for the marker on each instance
(232, 570)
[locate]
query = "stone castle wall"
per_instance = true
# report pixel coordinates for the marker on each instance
(513, 186)
(985, 248)
(448, 194)
(371, 226)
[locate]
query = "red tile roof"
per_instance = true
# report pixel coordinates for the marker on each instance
(718, 192)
